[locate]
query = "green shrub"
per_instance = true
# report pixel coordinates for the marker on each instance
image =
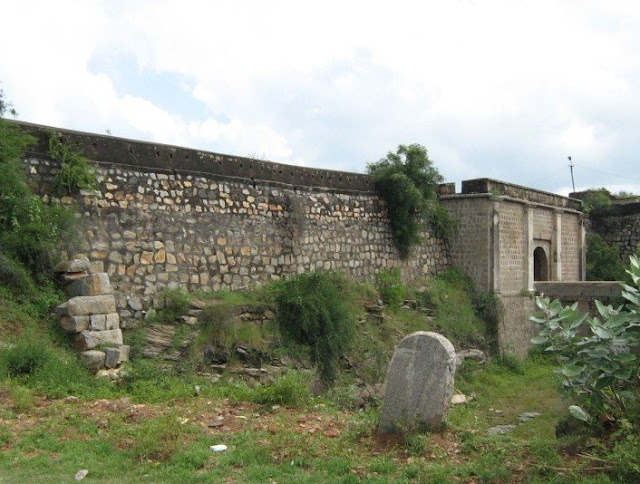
(29, 229)
(390, 287)
(15, 276)
(215, 320)
(74, 173)
(489, 308)
(596, 202)
(25, 358)
(457, 308)
(408, 182)
(177, 302)
(626, 458)
(318, 311)
(35, 361)
(458, 279)
(14, 141)
(603, 260)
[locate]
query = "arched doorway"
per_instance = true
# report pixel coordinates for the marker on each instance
(540, 265)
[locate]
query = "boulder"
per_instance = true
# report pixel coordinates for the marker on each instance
(86, 340)
(74, 324)
(419, 384)
(93, 359)
(101, 322)
(90, 285)
(79, 264)
(87, 305)
(471, 354)
(116, 355)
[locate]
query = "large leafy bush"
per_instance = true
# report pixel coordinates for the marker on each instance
(408, 182)
(603, 260)
(598, 365)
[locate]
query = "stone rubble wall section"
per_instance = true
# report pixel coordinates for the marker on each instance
(90, 314)
(620, 228)
(150, 231)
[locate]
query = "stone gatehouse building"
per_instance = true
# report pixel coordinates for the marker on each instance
(511, 238)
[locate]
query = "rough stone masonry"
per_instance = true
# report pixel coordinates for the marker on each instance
(163, 216)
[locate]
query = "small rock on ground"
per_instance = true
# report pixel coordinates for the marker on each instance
(501, 429)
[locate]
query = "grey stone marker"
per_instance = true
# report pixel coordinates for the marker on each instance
(419, 384)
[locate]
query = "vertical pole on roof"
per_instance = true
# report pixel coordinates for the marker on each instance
(571, 168)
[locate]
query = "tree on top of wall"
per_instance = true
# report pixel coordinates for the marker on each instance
(407, 181)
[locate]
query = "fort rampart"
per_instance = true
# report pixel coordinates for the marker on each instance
(166, 216)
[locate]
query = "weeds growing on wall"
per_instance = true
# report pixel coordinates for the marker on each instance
(74, 173)
(408, 182)
(318, 311)
(177, 302)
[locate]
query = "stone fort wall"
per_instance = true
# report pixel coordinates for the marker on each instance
(165, 216)
(619, 226)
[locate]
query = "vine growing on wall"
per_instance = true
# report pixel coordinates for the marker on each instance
(407, 181)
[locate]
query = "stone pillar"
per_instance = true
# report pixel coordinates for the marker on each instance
(495, 249)
(91, 315)
(557, 246)
(529, 247)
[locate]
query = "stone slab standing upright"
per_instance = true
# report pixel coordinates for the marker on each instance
(419, 384)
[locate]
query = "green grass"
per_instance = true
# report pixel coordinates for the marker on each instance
(300, 439)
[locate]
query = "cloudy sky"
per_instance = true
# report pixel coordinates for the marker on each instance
(502, 89)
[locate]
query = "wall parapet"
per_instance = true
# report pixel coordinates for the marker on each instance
(178, 160)
(580, 291)
(496, 187)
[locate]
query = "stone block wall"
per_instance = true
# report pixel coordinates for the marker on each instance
(572, 255)
(150, 228)
(515, 329)
(619, 226)
(513, 248)
(542, 224)
(470, 247)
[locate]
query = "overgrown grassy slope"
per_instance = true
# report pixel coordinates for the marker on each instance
(152, 426)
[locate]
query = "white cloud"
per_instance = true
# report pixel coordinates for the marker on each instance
(492, 88)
